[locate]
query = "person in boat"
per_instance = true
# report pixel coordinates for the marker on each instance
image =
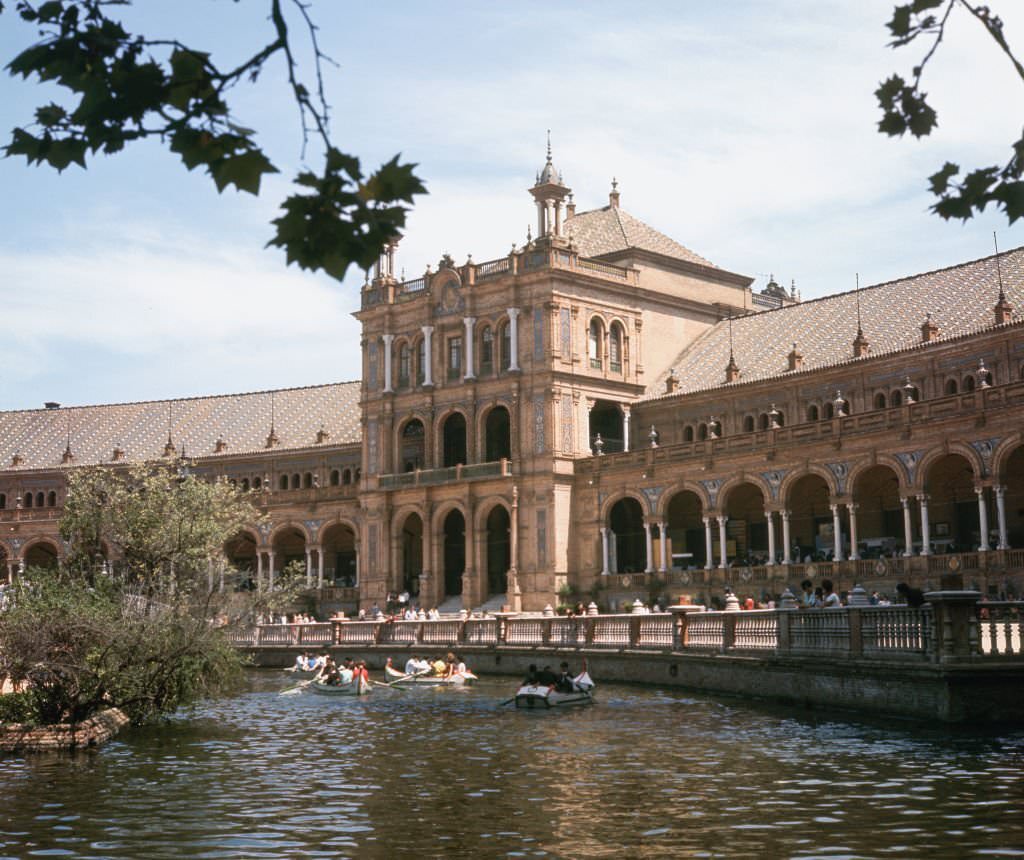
(412, 665)
(360, 673)
(565, 682)
(301, 663)
(532, 678)
(460, 665)
(439, 666)
(547, 677)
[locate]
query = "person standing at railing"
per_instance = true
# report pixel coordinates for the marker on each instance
(832, 600)
(914, 597)
(807, 598)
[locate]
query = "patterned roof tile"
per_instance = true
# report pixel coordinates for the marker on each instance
(40, 436)
(611, 230)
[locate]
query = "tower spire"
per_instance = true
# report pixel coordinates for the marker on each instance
(860, 343)
(1003, 309)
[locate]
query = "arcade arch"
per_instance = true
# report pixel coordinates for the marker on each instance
(746, 530)
(340, 555)
(499, 549)
(685, 528)
(453, 548)
(497, 435)
(628, 544)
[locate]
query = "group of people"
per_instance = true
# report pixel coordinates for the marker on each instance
(330, 672)
(563, 682)
(825, 597)
(447, 667)
(281, 618)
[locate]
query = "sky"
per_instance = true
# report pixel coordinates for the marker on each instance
(744, 130)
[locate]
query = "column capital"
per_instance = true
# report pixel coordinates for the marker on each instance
(722, 519)
(427, 329)
(851, 506)
(512, 312)
(387, 338)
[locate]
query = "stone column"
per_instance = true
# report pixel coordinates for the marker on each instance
(851, 508)
(663, 546)
(982, 519)
(309, 567)
(388, 339)
(908, 531)
(709, 545)
(926, 526)
(837, 534)
(604, 551)
(469, 374)
(319, 566)
(513, 338)
(270, 571)
(428, 354)
(770, 517)
(259, 570)
(649, 537)
(722, 550)
(1001, 517)
(625, 426)
(786, 542)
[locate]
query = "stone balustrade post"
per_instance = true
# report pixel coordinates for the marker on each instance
(729, 630)
(856, 632)
(955, 624)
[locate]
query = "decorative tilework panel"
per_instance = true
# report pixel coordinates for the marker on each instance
(565, 324)
(567, 446)
(538, 424)
(542, 538)
(538, 335)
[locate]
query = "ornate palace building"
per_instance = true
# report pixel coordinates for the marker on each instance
(603, 412)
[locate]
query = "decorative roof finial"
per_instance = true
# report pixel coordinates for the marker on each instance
(272, 439)
(999, 271)
(549, 146)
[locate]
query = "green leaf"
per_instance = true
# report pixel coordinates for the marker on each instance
(940, 181)
(244, 171)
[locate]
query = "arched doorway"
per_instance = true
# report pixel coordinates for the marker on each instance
(1013, 497)
(810, 518)
(454, 549)
(497, 435)
(498, 550)
(289, 546)
(952, 505)
(606, 420)
(454, 440)
(240, 553)
(42, 554)
(411, 545)
(685, 525)
(629, 544)
(412, 446)
(746, 532)
(876, 492)
(341, 566)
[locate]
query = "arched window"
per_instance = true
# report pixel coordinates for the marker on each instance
(3, 500)
(812, 412)
(486, 351)
(404, 366)
(505, 337)
(296, 481)
(880, 400)
(688, 433)
(828, 411)
(346, 477)
(421, 361)
(594, 336)
(780, 418)
(51, 500)
(951, 386)
(307, 480)
(968, 383)
(748, 424)
(40, 500)
(335, 477)
(896, 398)
(257, 483)
(28, 500)
(763, 421)
(283, 483)
(615, 348)
(702, 432)
(245, 485)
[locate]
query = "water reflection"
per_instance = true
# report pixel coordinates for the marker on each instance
(432, 772)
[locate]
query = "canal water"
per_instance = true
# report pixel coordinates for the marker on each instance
(646, 772)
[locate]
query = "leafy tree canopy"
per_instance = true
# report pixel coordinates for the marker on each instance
(124, 87)
(905, 108)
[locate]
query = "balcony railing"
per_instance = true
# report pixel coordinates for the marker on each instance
(447, 474)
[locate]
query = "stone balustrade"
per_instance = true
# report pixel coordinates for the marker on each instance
(951, 626)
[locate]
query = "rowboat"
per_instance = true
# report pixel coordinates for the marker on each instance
(353, 688)
(459, 679)
(542, 696)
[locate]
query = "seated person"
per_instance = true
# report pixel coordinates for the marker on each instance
(532, 678)
(565, 682)
(439, 667)
(344, 675)
(547, 677)
(412, 665)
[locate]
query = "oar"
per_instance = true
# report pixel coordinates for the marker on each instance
(300, 686)
(403, 678)
(507, 701)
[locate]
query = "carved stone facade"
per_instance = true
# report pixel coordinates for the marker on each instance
(607, 410)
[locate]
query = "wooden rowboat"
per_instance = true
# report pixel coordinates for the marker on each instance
(460, 679)
(351, 689)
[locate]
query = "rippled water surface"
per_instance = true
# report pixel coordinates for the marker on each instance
(430, 773)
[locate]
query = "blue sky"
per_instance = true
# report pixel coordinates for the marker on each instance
(744, 130)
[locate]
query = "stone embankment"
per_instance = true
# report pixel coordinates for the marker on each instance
(92, 732)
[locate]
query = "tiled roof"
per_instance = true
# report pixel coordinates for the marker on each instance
(40, 436)
(611, 229)
(960, 300)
